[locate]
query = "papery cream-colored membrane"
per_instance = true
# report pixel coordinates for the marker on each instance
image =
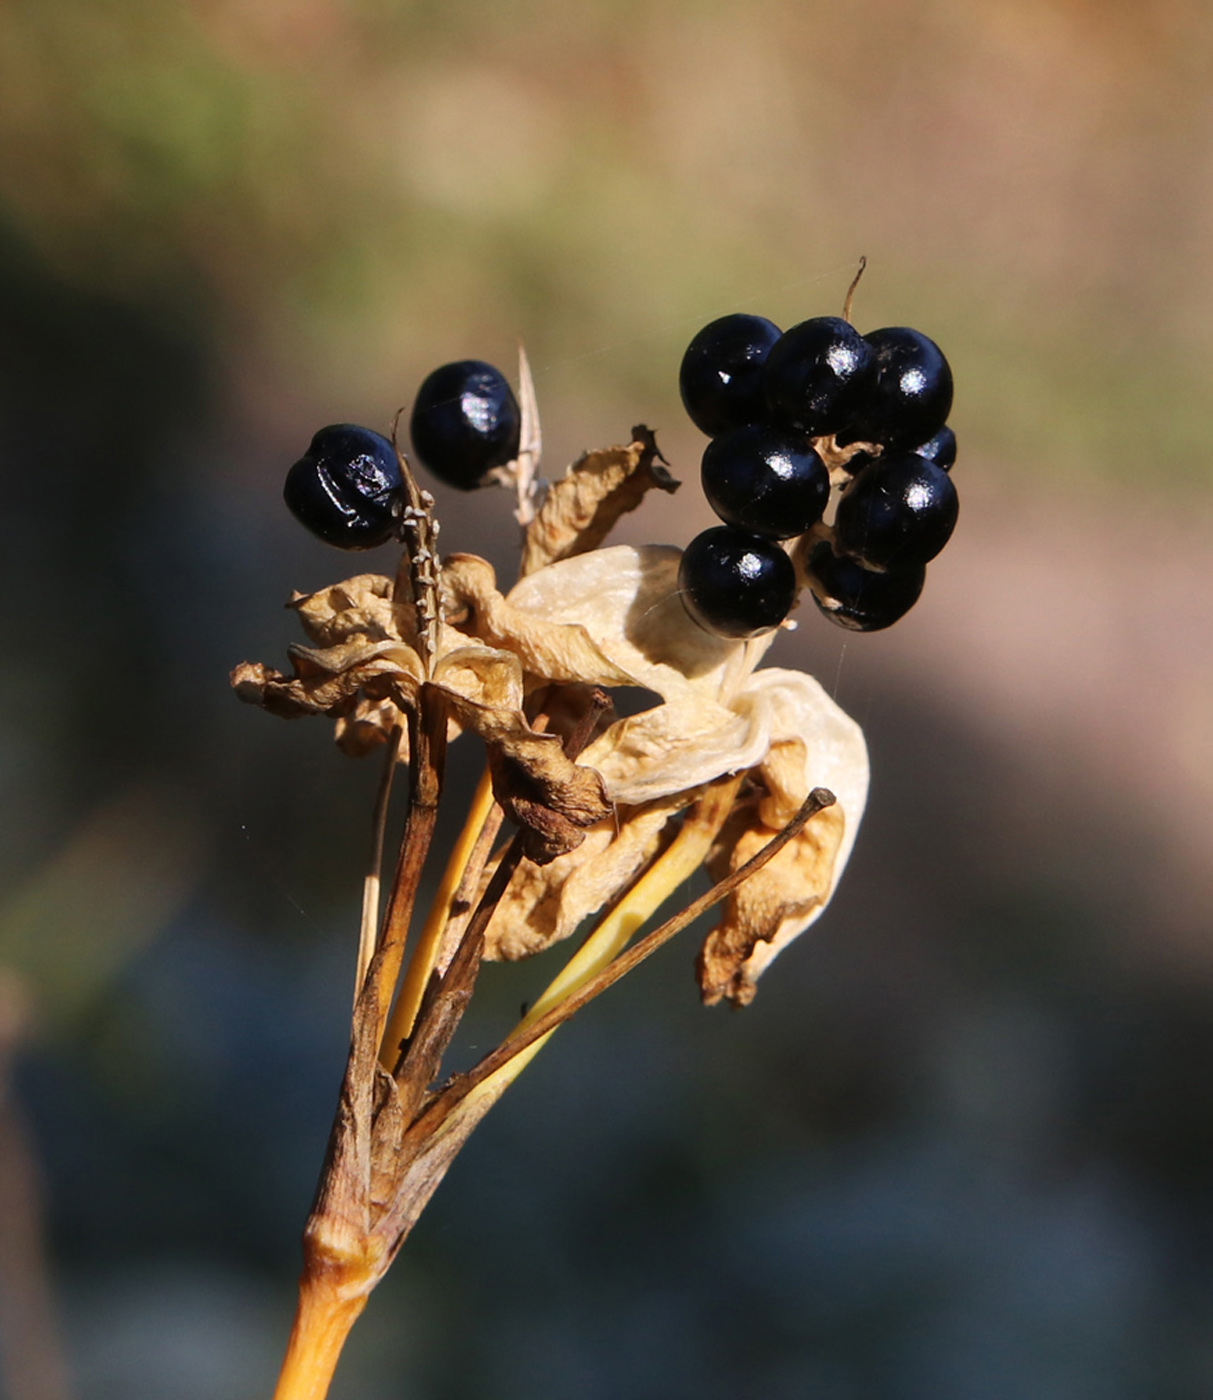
(718, 716)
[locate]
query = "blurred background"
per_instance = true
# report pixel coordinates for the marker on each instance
(962, 1143)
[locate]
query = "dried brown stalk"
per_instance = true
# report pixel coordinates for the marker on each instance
(427, 747)
(372, 1189)
(429, 1128)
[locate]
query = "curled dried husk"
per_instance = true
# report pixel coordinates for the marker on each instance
(367, 667)
(538, 787)
(580, 509)
(717, 716)
(544, 905)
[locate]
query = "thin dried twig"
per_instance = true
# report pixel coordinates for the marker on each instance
(528, 484)
(369, 926)
(461, 907)
(846, 306)
(425, 956)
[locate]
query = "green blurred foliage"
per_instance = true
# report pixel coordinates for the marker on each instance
(354, 192)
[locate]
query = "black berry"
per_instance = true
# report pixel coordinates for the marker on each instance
(465, 422)
(766, 480)
(940, 449)
(735, 584)
(345, 487)
(858, 599)
(900, 509)
(907, 393)
(721, 374)
(814, 373)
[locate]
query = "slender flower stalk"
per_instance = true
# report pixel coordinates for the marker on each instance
(368, 928)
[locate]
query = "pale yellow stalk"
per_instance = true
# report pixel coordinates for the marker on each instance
(425, 954)
(676, 865)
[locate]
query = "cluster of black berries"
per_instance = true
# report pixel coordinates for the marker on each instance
(346, 488)
(788, 413)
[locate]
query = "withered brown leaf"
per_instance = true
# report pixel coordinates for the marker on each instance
(785, 894)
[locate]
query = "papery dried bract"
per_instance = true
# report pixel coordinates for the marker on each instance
(548, 648)
(311, 690)
(367, 671)
(368, 605)
(544, 905)
(625, 599)
(764, 914)
(368, 725)
(785, 895)
(580, 509)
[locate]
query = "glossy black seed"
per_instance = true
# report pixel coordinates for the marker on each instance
(857, 599)
(766, 480)
(721, 374)
(736, 584)
(907, 393)
(901, 509)
(813, 374)
(940, 449)
(465, 422)
(345, 487)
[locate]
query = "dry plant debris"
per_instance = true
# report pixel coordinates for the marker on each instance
(753, 772)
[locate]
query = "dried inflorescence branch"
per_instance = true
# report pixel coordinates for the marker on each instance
(755, 773)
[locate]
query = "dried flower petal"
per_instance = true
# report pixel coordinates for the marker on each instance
(581, 508)
(609, 617)
(785, 894)
(549, 648)
(718, 717)
(776, 905)
(368, 725)
(626, 600)
(545, 904)
(546, 793)
(312, 691)
(361, 606)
